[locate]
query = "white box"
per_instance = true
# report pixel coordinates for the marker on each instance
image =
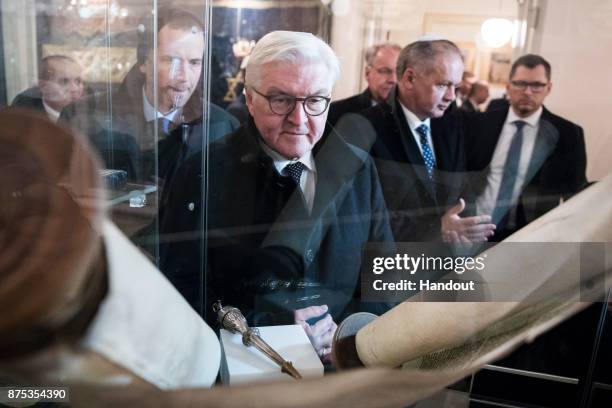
(240, 364)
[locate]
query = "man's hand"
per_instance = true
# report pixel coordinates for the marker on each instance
(320, 333)
(468, 229)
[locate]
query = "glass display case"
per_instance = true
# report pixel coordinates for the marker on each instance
(151, 85)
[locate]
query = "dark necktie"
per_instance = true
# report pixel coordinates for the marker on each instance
(511, 167)
(164, 126)
(294, 171)
(428, 157)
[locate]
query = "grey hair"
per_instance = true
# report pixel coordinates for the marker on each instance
(292, 47)
(372, 50)
(422, 55)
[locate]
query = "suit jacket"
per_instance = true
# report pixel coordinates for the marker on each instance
(266, 254)
(468, 107)
(353, 104)
(556, 169)
(415, 202)
(498, 104)
(31, 98)
(116, 127)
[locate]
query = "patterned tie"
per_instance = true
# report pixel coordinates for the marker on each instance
(294, 171)
(428, 157)
(164, 126)
(511, 167)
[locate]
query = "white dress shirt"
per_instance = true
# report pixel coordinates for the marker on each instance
(52, 113)
(413, 123)
(486, 201)
(152, 114)
(308, 179)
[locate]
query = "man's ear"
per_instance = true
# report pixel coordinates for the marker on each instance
(408, 77)
(249, 100)
(367, 71)
(143, 68)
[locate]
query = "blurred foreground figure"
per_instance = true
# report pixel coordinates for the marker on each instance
(85, 305)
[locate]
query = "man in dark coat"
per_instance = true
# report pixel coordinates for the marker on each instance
(148, 111)
(288, 213)
(59, 85)
(419, 151)
(380, 74)
(525, 159)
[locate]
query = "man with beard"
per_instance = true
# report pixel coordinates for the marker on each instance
(148, 110)
(526, 159)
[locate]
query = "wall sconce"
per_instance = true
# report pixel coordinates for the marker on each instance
(94, 8)
(496, 32)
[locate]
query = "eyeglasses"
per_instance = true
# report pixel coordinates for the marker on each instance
(534, 86)
(384, 71)
(285, 104)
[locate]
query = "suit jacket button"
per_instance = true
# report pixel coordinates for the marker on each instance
(191, 206)
(310, 255)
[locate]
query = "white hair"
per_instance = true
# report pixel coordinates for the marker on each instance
(292, 47)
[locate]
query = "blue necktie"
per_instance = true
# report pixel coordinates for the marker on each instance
(294, 171)
(511, 167)
(428, 157)
(163, 125)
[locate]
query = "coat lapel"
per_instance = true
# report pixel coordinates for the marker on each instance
(411, 149)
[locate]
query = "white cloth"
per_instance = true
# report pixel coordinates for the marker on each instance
(152, 114)
(52, 113)
(459, 98)
(485, 203)
(146, 326)
(308, 179)
(413, 123)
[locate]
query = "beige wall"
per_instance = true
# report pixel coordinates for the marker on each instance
(370, 21)
(576, 37)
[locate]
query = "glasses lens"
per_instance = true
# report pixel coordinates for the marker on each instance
(281, 104)
(315, 105)
(534, 86)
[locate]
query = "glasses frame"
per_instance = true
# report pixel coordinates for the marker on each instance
(295, 101)
(522, 86)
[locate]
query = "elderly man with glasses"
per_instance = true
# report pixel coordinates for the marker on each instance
(379, 73)
(287, 212)
(525, 158)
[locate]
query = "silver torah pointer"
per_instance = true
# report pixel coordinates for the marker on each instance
(232, 320)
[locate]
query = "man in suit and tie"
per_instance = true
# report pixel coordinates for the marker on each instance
(419, 151)
(380, 74)
(154, 120)
(526, 159)
(59, 85)
(288, 212)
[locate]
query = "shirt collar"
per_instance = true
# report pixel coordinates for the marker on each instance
(531, 120)
(53, 114)
(151, 113)
(413, 120)
(280, 162)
